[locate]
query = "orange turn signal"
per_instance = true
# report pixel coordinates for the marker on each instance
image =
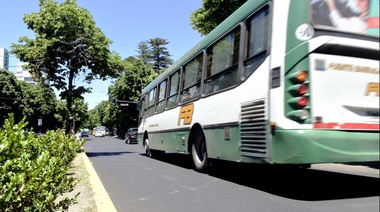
(302, 76)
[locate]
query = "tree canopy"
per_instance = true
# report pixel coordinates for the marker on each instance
(212, 13)
(154, 53)
(34, 102)
(160, 54)
(9, 92)
(128, 87)
(67, 45)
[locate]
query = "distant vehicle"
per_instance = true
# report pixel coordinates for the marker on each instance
(85, 132)
(101, 131)
(98, 134)
(131, 136)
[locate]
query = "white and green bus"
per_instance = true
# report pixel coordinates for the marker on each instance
(278, 82)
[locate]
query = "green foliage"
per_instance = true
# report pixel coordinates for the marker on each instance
(25, 100)
(136, 76)
(67, 45)
(144, 53)
(31, 101)
(9, 92)
(34, 170)
(101, 112)
(93, 119)
(160, 54)
(213, 12)
(38, 101)
(154, 54)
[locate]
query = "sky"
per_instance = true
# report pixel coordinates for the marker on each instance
(125, 22)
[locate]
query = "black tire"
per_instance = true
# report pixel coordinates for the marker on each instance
(199, 152)
(127, 141)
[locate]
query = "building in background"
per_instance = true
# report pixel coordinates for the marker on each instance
(4, 59)
(23, 74)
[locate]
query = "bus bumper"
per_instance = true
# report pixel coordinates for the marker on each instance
(324, 146)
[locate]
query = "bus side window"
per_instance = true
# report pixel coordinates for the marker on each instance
(192, 76)
(151, 101)
(142, 109)
(222, 63)
(256, 42)
(173, 90)
(161, 102)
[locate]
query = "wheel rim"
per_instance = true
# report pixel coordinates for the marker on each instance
(200, 149)
(199, 152)
(147, 150)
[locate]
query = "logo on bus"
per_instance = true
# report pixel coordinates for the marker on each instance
(372, 87)
(186, 114)
(304, 32)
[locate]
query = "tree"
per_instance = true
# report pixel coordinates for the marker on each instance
(25, 100)
(34, 105)
(136, 76)
(9, 92)
(92, 120)
(67, 44)
(205, 19)
(144, 52)
(159, 53)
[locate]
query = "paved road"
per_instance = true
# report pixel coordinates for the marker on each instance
(137, 183)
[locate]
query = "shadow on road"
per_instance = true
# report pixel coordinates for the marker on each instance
(97, 154)
(299, 184)
(288, 182)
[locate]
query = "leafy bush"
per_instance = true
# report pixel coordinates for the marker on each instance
(34, 170)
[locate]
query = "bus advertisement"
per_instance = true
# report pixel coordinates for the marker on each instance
(292, 82)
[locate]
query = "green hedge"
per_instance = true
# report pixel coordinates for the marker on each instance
(34, 170)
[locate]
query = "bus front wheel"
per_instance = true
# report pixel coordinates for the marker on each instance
(199, 152)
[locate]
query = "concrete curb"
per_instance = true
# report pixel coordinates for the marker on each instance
(103, 201)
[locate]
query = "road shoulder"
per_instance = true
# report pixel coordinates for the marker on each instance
(103, 201)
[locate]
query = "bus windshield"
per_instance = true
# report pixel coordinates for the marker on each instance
(355, 16)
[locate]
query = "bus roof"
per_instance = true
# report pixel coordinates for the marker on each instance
(236, 17)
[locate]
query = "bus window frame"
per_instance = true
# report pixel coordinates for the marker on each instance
(199, 83)
(228, 69)
(158, 95)
(265, 52)
(179, 70)
(153, 105)
(141, 109)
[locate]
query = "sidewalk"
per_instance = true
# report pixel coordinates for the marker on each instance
(93, 196)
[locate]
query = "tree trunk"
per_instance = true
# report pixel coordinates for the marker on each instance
(69, 102)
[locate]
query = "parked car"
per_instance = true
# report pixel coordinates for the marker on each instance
(131, 136)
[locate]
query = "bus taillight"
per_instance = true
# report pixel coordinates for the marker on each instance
(298, 95)
(303, 101)
(301, 76)
(299, 114)
(302, 90)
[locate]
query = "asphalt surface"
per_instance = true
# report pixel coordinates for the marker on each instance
(138, 183)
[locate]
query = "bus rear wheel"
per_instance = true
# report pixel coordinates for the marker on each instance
(199, 152)
(148, 152)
